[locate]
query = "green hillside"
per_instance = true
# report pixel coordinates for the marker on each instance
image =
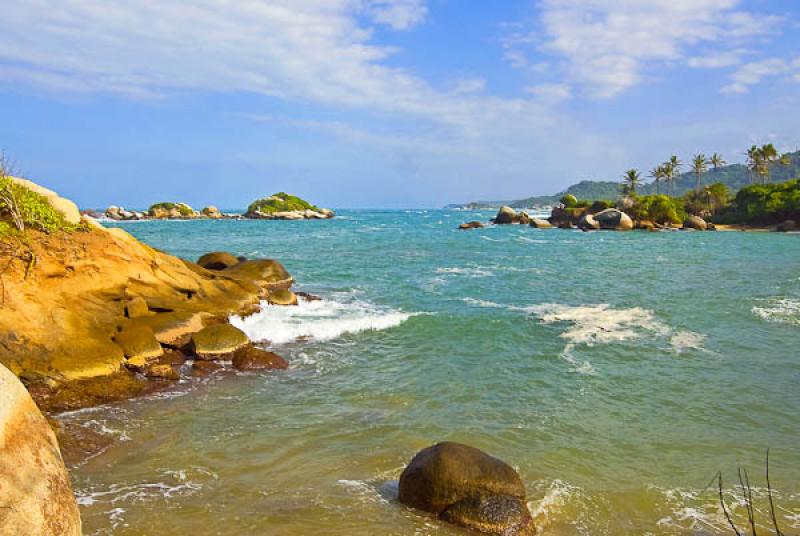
(734, 176)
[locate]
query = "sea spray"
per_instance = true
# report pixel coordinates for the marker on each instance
(320, 320)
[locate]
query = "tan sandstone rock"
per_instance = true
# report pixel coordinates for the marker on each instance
(36, 498)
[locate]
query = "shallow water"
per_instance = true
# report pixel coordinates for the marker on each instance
(618, 372)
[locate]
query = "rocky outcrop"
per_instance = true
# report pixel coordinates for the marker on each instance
(471, 225)
(467, 487)
(87, 303)
(120, 214)
(787, 226)
(588, 223)
(695, 222)
(282, 297)
(283, 206)
(36, 498)
(506, 216)
(567, 217)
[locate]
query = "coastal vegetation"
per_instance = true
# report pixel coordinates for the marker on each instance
(280, 202)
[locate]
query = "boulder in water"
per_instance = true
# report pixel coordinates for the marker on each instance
(466, 486)
(218, 341)
(787, 226)
(471, 225)
(282, 297)
(588, 223)
(252, 358)
(506, 215)
(539, 223)
(36, 498)
(614, 220)
(695, 222)
(523, 218)
(212, 212)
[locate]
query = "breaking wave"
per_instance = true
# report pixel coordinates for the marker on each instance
(320, 320)
(780, 310)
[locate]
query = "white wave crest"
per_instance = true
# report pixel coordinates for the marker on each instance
(687, 340)
(780, 310)
(469, 271)
(317, 320)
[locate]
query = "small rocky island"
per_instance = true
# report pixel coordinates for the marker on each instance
(280, 206)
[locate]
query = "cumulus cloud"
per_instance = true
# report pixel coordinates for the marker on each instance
(399, 14)
(751, 74)
(608, 45)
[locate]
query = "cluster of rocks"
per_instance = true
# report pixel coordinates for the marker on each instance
(585, 219)
(162, 211)
(465, 486)
(307, 214)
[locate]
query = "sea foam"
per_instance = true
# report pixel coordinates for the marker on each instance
(780, 310)
(320, 320)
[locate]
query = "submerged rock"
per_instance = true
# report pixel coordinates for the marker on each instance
(252, 358)
(505, 216)
(36, 498)
(466, 486)
(540, 223)
(471, 225)
(218, 341)
(695, 222)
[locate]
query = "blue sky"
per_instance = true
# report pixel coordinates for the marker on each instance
(384, 103)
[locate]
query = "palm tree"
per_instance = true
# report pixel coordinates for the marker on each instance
(699, 166)
(671, 168)
(759, 160)
(657, 173)
(717, 161)
(631, 181)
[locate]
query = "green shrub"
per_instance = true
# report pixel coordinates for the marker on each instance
(569, 201)
(35, 210)
(765, 204)
(600, 205)
(658, 208)
(280, 202)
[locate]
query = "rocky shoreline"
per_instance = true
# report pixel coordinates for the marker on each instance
(601, 217)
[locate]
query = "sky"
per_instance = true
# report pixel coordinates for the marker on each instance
(384, 103)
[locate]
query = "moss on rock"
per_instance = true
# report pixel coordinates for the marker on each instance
(218, 341)
(280, 202)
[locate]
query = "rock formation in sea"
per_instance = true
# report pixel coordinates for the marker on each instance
(283, 206)
(467, 487)
(36, 497)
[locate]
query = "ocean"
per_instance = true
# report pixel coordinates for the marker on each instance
(617, 372)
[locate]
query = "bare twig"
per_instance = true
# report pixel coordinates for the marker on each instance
(748, 499)
(771, 503)
(724, 507)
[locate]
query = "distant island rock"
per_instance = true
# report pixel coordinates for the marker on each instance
(283, 206)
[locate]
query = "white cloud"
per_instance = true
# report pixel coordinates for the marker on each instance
(751, 74)
(717, 60)
(551, 92)
(399, 14)
(607, 46)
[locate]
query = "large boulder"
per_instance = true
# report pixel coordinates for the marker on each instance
(267, 273)
(695, 222)
(218, 341)
(523, 218)
(212, 212)
(66, 207)
(588, 223)
(540, 223)
(282, 297)
(138, 343)
(614, 219)
(505, 216)
(36, 498)
(787, 226)
(252, 358)
(217, 260)
(466, 486)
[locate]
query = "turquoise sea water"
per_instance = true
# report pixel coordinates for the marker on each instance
(618, 372)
